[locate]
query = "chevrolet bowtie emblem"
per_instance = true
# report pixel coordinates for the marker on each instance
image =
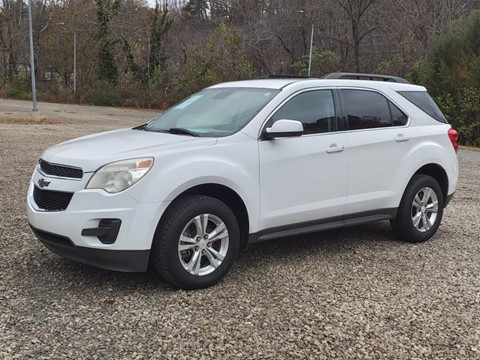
(42, 183)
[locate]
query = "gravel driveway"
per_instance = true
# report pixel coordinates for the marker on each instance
(351, 293)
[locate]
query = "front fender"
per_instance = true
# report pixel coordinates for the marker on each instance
(232, 165)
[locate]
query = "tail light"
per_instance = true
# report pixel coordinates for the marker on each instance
(453, 135)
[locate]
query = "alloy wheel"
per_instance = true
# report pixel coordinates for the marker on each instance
(203, 244)
(424, 209)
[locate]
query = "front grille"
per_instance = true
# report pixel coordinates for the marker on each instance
(51, 200)
(60, 170)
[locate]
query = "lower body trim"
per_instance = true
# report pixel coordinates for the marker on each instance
(117, 260)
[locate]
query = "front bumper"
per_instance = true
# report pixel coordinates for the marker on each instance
(84, 221)
(120, 260)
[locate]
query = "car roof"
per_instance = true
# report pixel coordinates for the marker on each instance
(261, 83)
(313, 82)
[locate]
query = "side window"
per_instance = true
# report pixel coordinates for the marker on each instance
(314, 109)
(366, 109)
(423, 101)
(398, 117)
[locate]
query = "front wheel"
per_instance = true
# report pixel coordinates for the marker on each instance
(420, 211)
(196, 242)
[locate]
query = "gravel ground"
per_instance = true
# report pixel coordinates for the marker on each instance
(351, 293)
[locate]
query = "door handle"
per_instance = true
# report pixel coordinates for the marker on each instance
(400, 138)
(334, 148)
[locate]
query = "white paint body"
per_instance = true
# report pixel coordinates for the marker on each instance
(281, 182)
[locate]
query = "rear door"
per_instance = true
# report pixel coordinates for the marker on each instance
(379, 140)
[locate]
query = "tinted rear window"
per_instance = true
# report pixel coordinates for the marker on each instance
(366, 109)
(422, 100)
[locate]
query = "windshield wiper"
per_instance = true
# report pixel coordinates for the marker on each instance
(182, 131)
(175, 131)
(140, 127)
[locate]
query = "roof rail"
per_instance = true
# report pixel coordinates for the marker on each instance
(372, 77)
(274, 76)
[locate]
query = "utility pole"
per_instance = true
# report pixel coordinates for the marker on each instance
(74, 64)
(311, 51)
(32, 60)
(311, 43)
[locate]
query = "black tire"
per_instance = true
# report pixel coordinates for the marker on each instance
(403, 226)
(165, 256)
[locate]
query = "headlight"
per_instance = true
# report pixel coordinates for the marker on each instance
(120, 175)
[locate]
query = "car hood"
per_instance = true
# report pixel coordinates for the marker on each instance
(93, 151)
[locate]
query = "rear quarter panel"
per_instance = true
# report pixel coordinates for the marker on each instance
(432, 147)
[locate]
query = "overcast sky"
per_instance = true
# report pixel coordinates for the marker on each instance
(151, 3)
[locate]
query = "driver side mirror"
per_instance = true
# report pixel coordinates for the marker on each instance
(283, 128)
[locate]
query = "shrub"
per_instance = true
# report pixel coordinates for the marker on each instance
(19, 86)
(394, 65)
(323, 62)
(221, 59)
(451, 72)
(103, 93)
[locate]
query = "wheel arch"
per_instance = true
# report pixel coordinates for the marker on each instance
(229, 197)
(438, 173)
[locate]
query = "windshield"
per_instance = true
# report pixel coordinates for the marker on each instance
(213, 112)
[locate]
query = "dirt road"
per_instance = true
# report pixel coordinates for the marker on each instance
(16, 110)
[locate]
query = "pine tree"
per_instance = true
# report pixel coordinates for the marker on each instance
(107, 67)
(198, 8)
(160, 26)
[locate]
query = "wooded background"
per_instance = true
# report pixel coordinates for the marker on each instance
(131, 54)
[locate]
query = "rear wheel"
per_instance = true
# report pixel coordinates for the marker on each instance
(420, 211)
(196, 242)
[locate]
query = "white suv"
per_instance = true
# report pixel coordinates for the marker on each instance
(243, 162)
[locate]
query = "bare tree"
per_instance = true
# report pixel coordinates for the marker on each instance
(366, 35)
(356, 12)
(12, 35)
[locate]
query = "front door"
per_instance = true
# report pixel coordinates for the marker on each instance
(304, 178)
